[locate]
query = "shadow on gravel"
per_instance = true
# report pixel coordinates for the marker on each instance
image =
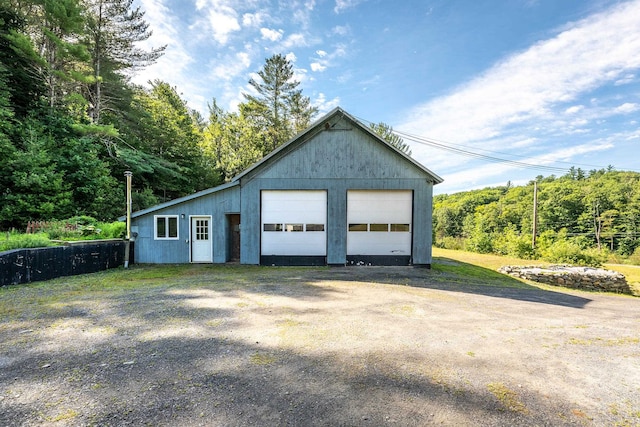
(456, 277)
(178, 381)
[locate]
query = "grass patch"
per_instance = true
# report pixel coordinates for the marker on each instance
(631, 273)
(262, 359)
(474, 269)
(491, 262)
(507, 397)
(485, 266)
(612, 342)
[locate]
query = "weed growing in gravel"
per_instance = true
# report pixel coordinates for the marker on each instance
(507, 397)
(609, 342)
(262, 359)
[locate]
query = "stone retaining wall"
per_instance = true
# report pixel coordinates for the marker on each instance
(595, 279)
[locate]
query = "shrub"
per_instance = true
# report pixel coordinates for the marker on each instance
(480, 242)
(511, 243)
(60, 230)
(112, 230)
(82, 220)
(570, 252)
(454, 243)
(21, 241)
(635, 257)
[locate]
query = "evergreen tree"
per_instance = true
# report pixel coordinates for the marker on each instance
(278, 110)
(113, 29)
(386, 132)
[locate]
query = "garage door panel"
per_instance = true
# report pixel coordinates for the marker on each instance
(381, 222)
(379, 206)
(376, 244)
(293, 244)
(284, 211)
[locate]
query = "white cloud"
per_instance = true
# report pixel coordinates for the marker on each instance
(252, 19)
(341, 30)
(295, 40)
(173, 66)
(302, 12)
(231, 66)
(476, 177)
(629, 78)
(272, 35)
(222, 19)
(324, 105)
(316, 66)
(626, 108)
(590, 53)
(574, 109)
(342, 5)
(325, 60)
(291, 57)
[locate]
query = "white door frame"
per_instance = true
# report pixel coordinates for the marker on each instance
(193, 238)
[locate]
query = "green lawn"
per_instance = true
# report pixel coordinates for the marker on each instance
(493, 262)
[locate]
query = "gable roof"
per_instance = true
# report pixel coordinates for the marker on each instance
(318, 126)
(326, 122)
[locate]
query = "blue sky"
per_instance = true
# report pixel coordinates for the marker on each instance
(544, 84)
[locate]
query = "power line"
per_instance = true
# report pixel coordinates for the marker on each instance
(465, 151)
(448, 147)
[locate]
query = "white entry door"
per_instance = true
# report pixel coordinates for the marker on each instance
(201, 239)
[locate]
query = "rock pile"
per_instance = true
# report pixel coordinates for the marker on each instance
(596, 279)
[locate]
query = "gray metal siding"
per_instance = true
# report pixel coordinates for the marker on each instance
(422, 224)
(342, 154)
(218, 204)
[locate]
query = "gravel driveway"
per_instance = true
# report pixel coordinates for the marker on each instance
(356, 346)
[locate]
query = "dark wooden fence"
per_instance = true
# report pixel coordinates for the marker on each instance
(30, 265)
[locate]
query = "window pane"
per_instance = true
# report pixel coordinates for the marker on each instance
(315, 227)
(357, 227)
(379, 227)
(161, 227)
(272, 227)
(401, 227)
(173, 227)
(294, 227)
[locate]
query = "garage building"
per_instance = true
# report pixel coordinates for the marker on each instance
(336, 194)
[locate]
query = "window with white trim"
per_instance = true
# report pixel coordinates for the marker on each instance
(166, 227)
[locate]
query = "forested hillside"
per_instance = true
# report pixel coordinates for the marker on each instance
(71, 121)
(581, 217)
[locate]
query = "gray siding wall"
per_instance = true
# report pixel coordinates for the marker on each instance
(149, 250)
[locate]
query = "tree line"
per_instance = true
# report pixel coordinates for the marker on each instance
(71, 120)
(582, 217)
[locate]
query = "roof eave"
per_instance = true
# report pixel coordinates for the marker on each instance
(180, 200)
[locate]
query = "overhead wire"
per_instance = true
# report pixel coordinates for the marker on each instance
(465, 151)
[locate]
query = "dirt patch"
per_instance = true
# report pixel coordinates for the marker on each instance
(315, 346)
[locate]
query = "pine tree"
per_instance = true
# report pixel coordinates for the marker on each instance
(278, 110)
(386, 132)
(114, 28)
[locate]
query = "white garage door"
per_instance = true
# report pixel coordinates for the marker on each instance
(294, 223)
(379, 222)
